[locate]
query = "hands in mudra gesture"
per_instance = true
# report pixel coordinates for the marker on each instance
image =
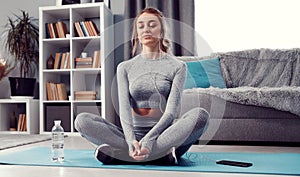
(139, 153)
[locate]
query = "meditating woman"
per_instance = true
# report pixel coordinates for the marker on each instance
(150, 86)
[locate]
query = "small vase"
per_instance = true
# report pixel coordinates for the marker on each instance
(50, 62)
(58, 2)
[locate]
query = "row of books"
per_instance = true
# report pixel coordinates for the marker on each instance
(56, 30)
(56, 91)
(85, 95)
(89, 62)
(86, 28)
(62, 60)
(20, 125)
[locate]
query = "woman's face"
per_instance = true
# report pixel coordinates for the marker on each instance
(148, 29)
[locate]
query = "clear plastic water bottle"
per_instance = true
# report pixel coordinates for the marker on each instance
(57, 142)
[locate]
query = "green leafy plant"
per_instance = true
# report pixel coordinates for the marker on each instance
(23, 41)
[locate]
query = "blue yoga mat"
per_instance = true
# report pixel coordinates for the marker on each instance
(263, 163)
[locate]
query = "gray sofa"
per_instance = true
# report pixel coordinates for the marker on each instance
(261, 101)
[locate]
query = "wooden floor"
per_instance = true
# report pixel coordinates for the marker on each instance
(76, 142)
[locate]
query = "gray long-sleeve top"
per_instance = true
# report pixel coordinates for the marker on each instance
(147, 83)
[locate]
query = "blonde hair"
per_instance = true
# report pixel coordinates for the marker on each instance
(164, 43)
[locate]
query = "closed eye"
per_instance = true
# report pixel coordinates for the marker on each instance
(152, 25)
(140, 26)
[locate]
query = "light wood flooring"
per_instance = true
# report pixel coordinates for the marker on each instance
(77, 142)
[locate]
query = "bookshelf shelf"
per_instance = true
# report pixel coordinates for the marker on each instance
(87, 70)
(62, 71)
(28, 107)
(87, 101)
(85, 38)
(98, 79)
(56, 101)
(57, 40)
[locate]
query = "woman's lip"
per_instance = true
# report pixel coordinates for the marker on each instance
(147, 36)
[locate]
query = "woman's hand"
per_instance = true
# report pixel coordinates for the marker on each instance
(136, 150)
(139, 153)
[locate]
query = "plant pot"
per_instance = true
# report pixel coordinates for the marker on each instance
(22, 86)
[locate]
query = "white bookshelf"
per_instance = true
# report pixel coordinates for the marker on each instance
(76, 79)
(30, 107)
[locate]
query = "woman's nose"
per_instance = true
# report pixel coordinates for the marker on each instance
(146, 29)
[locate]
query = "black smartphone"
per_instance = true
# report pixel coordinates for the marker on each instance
(234, 163)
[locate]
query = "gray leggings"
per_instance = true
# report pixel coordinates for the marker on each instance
(181, 134)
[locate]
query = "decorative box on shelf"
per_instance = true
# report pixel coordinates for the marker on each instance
(85, 95)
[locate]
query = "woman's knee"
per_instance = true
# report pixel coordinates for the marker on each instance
(200, 114)
(81, 121)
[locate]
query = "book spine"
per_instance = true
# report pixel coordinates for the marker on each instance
(47, 31)
(78, 29)
(84, 30)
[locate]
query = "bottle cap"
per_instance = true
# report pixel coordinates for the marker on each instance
(57, 122)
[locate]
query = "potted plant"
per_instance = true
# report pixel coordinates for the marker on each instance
(22, 43)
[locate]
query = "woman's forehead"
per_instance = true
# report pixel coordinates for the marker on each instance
(146, 17)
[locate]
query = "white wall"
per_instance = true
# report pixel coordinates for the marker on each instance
(229, 25)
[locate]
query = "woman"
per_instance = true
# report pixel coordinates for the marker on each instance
(150, 86)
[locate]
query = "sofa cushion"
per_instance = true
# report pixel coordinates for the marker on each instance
(204, 73)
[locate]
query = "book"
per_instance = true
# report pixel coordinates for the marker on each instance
(57, 59)
(50, 29)
(88, 59)
(53, 32)
(63, 60)
(96, 59)
(84, 30)
(62, 29)
(24, 124)
(94, 28)
(47, 31)
(62, 92)
(59, 32)
(66, 60)
(19, 122)
(78, 29)
(49, 91)
(84, 66)
(85, 97)
(85, 92)
(83, 63)
(89, 30)
(54, 91)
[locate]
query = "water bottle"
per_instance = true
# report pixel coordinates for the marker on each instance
(57, 142)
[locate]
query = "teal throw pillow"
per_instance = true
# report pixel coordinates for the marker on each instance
(204, 73)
